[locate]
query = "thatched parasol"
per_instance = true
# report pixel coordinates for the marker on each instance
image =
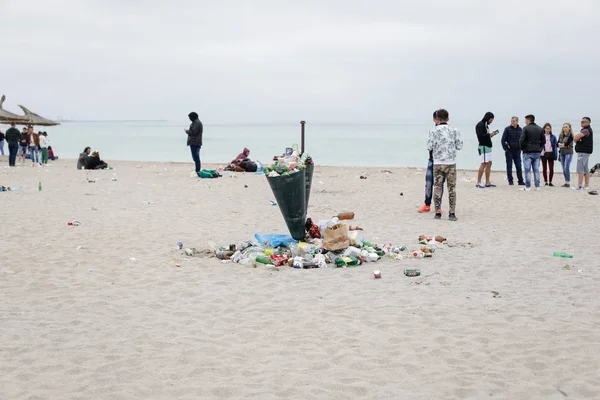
(7, 116)
(34, 119)
(29, 117)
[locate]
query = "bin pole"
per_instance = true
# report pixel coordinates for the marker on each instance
(302, 123)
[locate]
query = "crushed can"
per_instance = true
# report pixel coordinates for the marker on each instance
(412, 272)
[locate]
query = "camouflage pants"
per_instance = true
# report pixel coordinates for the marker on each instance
(440, 172)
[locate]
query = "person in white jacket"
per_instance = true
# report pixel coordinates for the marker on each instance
(444, 142)
(44, 143)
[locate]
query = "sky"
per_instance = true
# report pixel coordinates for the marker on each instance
(324, 61)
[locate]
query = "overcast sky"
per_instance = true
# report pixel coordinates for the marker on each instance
(281, 61)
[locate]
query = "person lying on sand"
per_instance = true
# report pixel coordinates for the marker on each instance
(94, 162)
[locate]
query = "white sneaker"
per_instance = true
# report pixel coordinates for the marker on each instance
(537, 189)
(586, 188)
(525, 189)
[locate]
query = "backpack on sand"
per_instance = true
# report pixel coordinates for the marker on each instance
(209, 173)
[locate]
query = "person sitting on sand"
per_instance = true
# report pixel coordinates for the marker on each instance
(242, 163)
(244, 155)
(94, 162)
(81, 161)
(51, 155)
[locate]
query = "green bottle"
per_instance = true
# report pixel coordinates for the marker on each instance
(263, 260)
(562, 254)
(39, 186)
(367, 244)
(350, 261)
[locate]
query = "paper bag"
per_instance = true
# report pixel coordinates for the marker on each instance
(336, 238)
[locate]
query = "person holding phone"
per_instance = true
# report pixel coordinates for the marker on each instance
(484, 137)
(195, 139)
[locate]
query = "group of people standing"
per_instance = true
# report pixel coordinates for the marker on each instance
(526, 148)
(26, 143)
(532, 145)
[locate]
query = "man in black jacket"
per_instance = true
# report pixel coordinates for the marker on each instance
(532, 142)
(584, 147)
(512, 150)
(195, 139)
(13, 137)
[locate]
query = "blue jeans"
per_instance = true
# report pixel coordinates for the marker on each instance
(429, 184)
(13, 149)
(35, 154)
(196, 156)
(513, 156)
(565, 161)
(2, 146)
(532, 160)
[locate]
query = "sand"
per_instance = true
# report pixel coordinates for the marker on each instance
(101, 311)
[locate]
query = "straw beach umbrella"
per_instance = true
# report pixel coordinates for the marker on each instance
(29, 117)
(6, 117)
(35, 119)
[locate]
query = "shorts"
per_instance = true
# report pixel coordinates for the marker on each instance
(485, 154)
(583, 160)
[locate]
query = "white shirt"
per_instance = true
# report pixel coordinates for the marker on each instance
(44, 142)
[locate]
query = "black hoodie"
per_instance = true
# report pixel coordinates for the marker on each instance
(483, 136)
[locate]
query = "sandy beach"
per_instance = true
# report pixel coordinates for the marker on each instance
(101, 311)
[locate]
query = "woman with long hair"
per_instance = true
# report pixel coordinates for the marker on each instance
(565, 144)
(549, 154)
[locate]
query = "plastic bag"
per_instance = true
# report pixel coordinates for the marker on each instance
(275, 240)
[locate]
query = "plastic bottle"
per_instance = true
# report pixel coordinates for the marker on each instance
(367, 244)
(39, 186)
(372, 257)
(224, 254)
(339, 262)
(352, 251)
(333, 222)
(351, 261)
(346, 215)
(263, 260)
(562, 254)
(440, 239)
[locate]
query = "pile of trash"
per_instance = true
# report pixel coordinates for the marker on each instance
(289, 163)
(329, 242)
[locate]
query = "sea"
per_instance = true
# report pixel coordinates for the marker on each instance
(366, 145)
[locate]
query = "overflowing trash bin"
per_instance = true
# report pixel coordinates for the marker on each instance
(290, 179)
